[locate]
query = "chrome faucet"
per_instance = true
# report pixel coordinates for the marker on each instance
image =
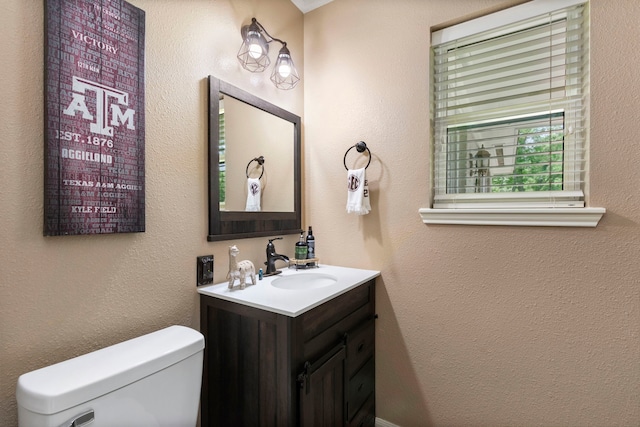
(272, 257)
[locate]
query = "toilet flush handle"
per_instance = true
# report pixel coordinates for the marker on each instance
(80, 420)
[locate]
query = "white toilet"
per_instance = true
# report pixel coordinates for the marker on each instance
(152, 380)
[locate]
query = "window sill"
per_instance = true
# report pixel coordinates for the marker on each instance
(544, 217)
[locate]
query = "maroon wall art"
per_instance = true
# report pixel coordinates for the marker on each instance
(94, 117)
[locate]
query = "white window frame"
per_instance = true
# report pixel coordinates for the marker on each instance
(517, 210)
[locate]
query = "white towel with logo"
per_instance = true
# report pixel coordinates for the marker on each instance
(358, 192)
(253, 194)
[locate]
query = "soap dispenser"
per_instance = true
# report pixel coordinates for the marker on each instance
(301, 247)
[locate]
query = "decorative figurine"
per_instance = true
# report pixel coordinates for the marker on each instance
(239, 270)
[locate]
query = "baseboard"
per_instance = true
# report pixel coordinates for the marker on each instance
(382, 423)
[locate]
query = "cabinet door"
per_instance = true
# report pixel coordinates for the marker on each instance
(322, 391)
(247, 378)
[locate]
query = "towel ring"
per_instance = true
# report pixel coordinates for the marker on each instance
(360, 147)
(260, 161)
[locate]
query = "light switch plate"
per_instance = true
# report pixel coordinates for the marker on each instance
(204, 270)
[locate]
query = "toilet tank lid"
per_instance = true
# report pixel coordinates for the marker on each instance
(69, 383)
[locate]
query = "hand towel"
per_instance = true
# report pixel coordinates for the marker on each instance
(358, 192)
(253, 194)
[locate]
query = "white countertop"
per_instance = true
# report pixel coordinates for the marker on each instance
(290, 302)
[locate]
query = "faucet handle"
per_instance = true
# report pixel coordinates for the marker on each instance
(271, 248)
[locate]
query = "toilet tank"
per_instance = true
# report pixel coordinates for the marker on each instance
(152, 380)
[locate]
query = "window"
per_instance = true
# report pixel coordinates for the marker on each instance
(222, 149)
(510, 117)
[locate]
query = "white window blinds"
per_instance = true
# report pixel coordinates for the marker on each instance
(510, 108)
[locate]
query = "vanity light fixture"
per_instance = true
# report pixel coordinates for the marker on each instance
(254, 56)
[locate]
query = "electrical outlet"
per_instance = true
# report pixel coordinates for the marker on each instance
(204, 270)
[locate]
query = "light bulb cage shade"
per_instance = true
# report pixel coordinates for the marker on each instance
(254, 51)
(284, 75)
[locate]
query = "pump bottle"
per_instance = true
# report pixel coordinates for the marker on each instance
(301, 247)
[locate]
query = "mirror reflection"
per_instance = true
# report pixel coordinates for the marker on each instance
(247, 133)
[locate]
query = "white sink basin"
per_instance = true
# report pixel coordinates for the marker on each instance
(304, 281)
(292, 292)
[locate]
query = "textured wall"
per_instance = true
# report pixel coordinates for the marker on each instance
(466, 336)
(479, 326)
(64, 296)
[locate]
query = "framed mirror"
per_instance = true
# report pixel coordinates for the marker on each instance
(251, 143)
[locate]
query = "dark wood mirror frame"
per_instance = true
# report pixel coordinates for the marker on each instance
(224, 225)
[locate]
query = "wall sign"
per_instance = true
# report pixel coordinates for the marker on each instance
(94, 117)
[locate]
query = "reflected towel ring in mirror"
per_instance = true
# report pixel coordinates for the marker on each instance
(360, 147)
(260, 161)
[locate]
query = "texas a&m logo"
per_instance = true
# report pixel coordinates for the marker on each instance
(108, 103)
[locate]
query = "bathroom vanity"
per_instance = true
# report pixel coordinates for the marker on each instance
(294, 349)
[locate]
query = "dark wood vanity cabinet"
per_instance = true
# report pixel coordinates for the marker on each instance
(267, 369)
